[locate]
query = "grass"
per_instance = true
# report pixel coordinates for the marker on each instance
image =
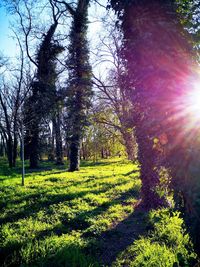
(60, 218)
(167, 245)
(57, 216)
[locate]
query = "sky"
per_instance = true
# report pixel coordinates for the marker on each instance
(7, 44)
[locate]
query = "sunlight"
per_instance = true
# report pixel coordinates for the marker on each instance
(193, 100)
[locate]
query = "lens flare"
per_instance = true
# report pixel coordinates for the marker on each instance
(193, 101)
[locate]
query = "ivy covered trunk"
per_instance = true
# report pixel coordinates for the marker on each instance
(158, 57)
(58, 138)
(79, 90)
(42, 100)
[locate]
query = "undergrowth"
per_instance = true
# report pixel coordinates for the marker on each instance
(167, 245)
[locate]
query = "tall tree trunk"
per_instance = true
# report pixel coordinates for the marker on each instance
(42, 100)
(84, 151)
(102, 153)
(80, 82)
(3, 145)
(58, 138)
(159, 65)
(15, 143)
(51, 143)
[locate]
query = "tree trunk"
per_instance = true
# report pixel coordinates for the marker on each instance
(130, 144)
(102, 153)
(58, 137)
(3, 145)
(84, 151)
(34, 155)
(10, 151)
(156, 67)
(74, 154)
(80, 82)
(15, 143)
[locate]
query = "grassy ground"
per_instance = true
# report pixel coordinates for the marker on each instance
(82, 219)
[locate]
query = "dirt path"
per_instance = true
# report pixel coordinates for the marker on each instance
(121, 236)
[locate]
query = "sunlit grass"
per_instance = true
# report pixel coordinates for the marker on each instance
(56, 218)
(167, 245)
(59, 218)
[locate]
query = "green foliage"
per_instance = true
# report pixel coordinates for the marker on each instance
(102, 139)
(57, 218)
(189, 13)
(167, 245)
(57, 251)
(146, 253)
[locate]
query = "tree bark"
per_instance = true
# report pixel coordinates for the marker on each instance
(34, 147)
(58, 139)
(42, 100)
(74, 154)
(10, 151)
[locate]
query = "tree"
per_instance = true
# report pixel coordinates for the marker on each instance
(56, 122)
(159, 71)
(106, 138)
(11, 99)
(43, 97)
(113, 96)
(79, 84)
(112, 86)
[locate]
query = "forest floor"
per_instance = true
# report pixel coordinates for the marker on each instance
(81, 219)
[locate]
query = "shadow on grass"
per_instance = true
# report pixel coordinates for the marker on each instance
(7, 173)
(44, 166)
(97, 163)
(41, 204)
(116, 240)
(109, 244)
(131, 172)
(79, 223)
(68, 255)
(39, 201)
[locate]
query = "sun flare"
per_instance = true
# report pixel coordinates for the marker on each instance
(193, 100)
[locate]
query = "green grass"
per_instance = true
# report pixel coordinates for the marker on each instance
(167, 245)
(58, 218)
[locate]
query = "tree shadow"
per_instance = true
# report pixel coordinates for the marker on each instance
(97, 163)
(114, 241)
(7, 173)
(79, 223)
(34, 207)
(131, 172)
